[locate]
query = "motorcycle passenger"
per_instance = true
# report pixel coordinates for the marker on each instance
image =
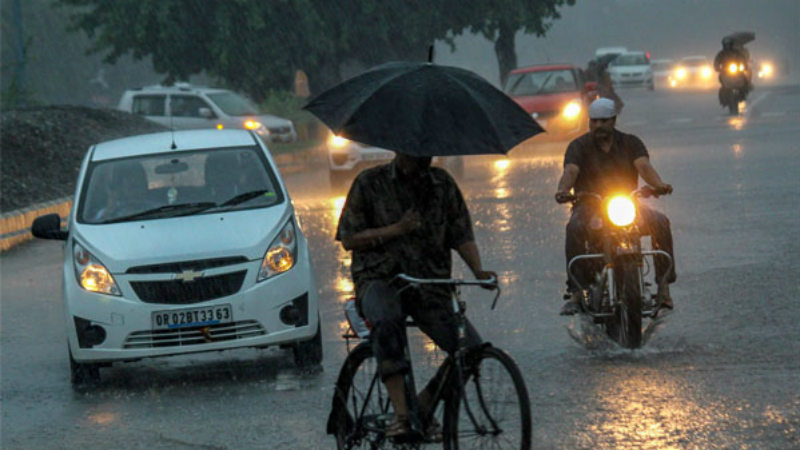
(406, 217)
(603, 161)
(733, 52)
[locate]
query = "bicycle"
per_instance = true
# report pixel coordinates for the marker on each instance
(477, 386)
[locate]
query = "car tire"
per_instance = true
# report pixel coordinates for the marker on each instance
(83, 375)
(309, 353)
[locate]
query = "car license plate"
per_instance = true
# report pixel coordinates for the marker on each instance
(192, 317)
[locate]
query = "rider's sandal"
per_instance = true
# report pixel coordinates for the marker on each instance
(433, 433)
(397, 428)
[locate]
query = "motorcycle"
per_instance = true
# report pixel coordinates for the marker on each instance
(619, 297)
(735, 79)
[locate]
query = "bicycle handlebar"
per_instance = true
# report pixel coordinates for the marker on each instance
(490, 283)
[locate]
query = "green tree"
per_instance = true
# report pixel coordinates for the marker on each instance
(500, 20)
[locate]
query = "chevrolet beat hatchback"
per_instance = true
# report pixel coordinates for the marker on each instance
(183, 242)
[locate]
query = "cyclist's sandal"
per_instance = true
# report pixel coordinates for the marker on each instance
(433, 433)
(398, 427)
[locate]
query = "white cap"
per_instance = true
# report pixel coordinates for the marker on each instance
(602, 108)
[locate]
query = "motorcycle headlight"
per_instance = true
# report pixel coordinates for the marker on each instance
(91, 274)
(571, 110)
(281, 254)
(621, 210)
(733, 67)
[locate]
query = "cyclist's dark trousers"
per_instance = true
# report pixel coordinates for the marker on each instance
(650, 221)
(387, 311)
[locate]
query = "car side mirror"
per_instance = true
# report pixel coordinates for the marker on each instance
(49, 227)
(205, 112)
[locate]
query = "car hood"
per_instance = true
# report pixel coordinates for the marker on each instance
(120, 246)
(546, 103)
(273, 121)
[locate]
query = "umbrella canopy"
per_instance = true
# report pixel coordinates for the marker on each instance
(741, 37)
(423, 109)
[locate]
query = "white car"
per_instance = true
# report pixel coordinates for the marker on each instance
(186, 107)
(631, 69)
(347, 158)
(694, 72)
(182, 242)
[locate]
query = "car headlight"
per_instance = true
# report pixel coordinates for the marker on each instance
(571, 110)
(680, 73)
(91, 274)
(338, 141)
(766, 70)
(252, 124)
(621, 210)
(705, 72)
(281, 254)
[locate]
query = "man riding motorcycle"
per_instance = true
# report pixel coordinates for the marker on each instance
(733, 55)
(603, 161)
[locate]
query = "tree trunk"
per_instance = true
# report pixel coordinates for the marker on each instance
(505, 50)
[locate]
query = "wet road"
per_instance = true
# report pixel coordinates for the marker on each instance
(722, 371)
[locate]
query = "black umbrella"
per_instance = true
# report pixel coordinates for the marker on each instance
(423, 109)
(741, 37)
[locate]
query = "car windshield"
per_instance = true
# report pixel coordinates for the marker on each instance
(177, 184)
(630, 60)
(541, 82)
(233, 104)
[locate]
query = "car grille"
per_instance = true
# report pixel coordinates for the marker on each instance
(192, 336)
(280, 130)
(177, 292)
(200, 264)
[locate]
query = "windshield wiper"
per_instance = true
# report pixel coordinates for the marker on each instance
(182, 209)
(243, 197)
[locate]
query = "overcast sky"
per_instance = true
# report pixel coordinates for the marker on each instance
(665, 28)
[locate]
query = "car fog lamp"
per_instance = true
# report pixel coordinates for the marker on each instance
(572, 110)
(282, 253)
(92, 275)
(252, 125)
(338, 141)
(621, 211)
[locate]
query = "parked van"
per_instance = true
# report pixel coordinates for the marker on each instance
(182, 242)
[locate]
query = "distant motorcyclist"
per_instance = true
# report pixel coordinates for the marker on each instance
(602, 161)
(733, 52)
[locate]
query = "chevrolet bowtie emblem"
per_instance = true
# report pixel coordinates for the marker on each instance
(188, 275)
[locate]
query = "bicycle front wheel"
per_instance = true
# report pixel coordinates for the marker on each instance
(493, 409)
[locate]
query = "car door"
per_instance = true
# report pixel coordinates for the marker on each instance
(185, 110)
(151, 106)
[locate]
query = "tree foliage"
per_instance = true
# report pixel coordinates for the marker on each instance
(256, 46)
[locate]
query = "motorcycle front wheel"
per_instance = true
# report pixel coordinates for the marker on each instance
(626, 325)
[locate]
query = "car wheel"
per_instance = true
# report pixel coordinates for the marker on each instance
(83, 374)
(309, 353)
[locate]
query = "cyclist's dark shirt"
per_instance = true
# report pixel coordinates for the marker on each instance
(379, 197)
(605, 173)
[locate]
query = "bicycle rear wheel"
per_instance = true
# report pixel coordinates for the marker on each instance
(493, 411)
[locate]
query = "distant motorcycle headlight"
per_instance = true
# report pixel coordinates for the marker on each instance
(91, 274)
(281, 254)
(733, 68)
(571, 110)
(621, 210)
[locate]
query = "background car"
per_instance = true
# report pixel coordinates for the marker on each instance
(694, 72)
(137, 284)
(555, 95)
(186, 107)
(347, 158)
(663, 71)
(631, 69)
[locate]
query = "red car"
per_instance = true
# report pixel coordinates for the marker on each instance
(555, 95)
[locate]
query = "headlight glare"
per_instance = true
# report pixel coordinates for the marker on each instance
(732, 68)
(91, 274)
(252, 125)
(281, 254)
(680, 73)
(706, 72)
(571, 110)
(621, 211)
(338, 141)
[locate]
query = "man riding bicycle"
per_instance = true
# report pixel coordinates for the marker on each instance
(406, 217)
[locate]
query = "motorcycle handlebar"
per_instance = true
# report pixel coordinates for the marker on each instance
(643, 192)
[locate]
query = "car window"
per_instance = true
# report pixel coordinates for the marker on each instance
(149, 105)
(541, 82)
(187, 105)
(233, 104)
(630, 60)
(178, 183)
